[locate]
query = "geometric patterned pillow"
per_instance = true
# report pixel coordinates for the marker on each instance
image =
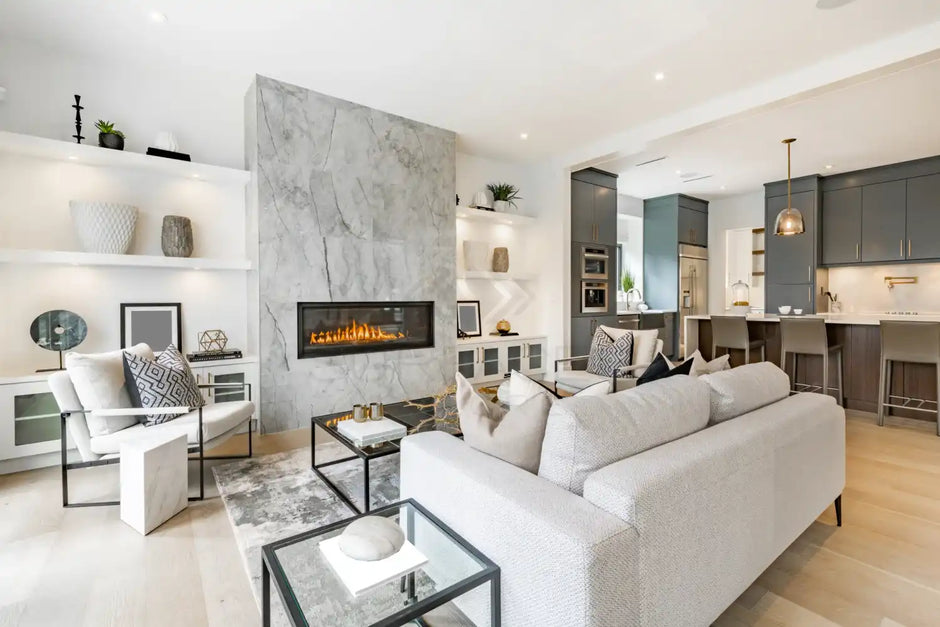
(608, 354)
(166, 381)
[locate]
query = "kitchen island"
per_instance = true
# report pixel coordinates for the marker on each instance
(860, 337)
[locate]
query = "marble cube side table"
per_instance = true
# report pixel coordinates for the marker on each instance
(154, 480)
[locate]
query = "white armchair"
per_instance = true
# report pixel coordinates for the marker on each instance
(204, 427)
(571, 379)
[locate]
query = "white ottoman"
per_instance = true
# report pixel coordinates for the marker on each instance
(154, 480)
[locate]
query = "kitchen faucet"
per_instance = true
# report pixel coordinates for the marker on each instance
(631, 305)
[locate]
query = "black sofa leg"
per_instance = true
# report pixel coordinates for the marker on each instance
(839, 511)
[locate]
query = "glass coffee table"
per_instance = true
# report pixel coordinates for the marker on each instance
(415, 419)
(312, 594)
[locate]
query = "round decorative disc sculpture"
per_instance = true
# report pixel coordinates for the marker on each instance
(58, 330)
(371, 538)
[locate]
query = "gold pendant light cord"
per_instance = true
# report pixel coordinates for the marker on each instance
(789, 202)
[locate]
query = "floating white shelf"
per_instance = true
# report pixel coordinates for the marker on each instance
(494, 217)
(90, 154)
(494, 276)
(63, 257)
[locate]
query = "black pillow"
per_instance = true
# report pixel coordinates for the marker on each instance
(660, 369)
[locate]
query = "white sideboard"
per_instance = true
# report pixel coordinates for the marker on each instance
(492, 358)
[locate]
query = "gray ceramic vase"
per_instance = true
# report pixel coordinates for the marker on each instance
(500, 259)
(177, 237)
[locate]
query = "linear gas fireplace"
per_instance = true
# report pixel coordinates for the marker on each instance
(325, 329)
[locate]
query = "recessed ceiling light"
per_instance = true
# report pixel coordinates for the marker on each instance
(828, 166)
(659, 76)
(523, 136)
(678, 171)
(195, 176)
(159, 18)
(722, 187)
(72, 157)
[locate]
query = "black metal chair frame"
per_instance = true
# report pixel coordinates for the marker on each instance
(192, 449)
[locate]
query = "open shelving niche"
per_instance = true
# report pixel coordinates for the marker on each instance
(91, 155)
(483, 216)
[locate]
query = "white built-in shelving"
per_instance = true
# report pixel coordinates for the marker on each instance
(89, 154)
(65, 257)
(494, 276)
(494, 217)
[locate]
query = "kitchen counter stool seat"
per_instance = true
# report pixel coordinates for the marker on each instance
(730, 332)
(907, 342)
(807, 336)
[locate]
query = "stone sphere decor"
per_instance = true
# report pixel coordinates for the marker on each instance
(177, 237)
(104, 227)
(371, 538)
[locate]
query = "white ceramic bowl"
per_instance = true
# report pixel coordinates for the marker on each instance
(784, 309)
(798, 312)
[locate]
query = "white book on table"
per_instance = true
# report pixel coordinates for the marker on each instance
(361, 576)
(371, 431)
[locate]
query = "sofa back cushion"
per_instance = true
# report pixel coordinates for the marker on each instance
(584, 434)
(98, 379)
(743, 389)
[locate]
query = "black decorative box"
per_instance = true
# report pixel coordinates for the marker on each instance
(169, 154)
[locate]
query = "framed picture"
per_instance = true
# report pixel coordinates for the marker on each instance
(155, 324)
(468, 318)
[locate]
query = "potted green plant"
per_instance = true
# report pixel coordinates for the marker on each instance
(505, 196)
(626, 281)
(108, 137)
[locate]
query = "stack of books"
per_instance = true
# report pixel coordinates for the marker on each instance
(232, 353)
(371, 431)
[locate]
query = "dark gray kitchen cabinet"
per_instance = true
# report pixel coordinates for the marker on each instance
(582, 211)
(693, 227)
(884, 226)
(791, 259)
(842, 226)
(582, 332)
(923, 217)
(798, 296)
(594, 207)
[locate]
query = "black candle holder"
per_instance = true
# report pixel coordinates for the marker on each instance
(78, 120)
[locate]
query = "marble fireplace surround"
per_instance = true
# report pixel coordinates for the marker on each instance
(353, 204)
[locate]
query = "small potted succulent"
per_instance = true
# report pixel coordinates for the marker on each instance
(505, 196)
(108, 137)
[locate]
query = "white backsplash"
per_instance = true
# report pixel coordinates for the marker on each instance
(863, 288)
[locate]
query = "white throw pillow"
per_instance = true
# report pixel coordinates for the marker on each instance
(743, 389)
(700, 366)
(522, 388)
(99, 383)
(644, 346)
(514, 436)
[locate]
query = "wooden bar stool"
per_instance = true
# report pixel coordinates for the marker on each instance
(907, 342)
(730, 332)
(807, 336)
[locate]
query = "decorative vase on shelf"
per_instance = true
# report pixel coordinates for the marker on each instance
(481, 201)
(500, 259)
(177, 237)
(104, 227)
(502, 206)
(476, 256)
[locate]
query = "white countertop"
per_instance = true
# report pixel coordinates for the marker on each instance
(627, 312)
(488, 339)
(842, 318)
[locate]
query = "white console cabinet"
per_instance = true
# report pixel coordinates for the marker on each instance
(492, 358)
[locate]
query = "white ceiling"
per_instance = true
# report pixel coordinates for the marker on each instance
(568, 72)
(887, 119)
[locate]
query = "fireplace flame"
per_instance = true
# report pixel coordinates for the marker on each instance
(354, 332)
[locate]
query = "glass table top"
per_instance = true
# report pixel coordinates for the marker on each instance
(315, 595)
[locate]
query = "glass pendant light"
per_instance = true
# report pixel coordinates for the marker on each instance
(790, 220)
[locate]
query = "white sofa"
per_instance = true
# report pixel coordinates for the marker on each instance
(670, 535)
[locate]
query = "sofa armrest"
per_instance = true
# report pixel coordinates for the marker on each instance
(563, 560)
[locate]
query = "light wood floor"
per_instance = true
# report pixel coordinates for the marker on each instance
(85, 567)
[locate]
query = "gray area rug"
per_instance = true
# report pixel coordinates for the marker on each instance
(275, 496)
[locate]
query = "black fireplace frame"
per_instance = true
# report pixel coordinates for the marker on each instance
(377, 347)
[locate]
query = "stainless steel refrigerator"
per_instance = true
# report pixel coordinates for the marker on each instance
(693, 286)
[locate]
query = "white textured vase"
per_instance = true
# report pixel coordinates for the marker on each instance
(104, 227)
(476, 256)
(502, 206)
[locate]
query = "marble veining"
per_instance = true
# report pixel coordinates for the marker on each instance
(354, 204)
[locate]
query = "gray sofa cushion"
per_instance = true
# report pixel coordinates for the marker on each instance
(584, 434)
(743, 389)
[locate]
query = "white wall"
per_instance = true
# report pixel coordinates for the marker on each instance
(733, 212)
(630, 238)
(203, 109)
(862, 289)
